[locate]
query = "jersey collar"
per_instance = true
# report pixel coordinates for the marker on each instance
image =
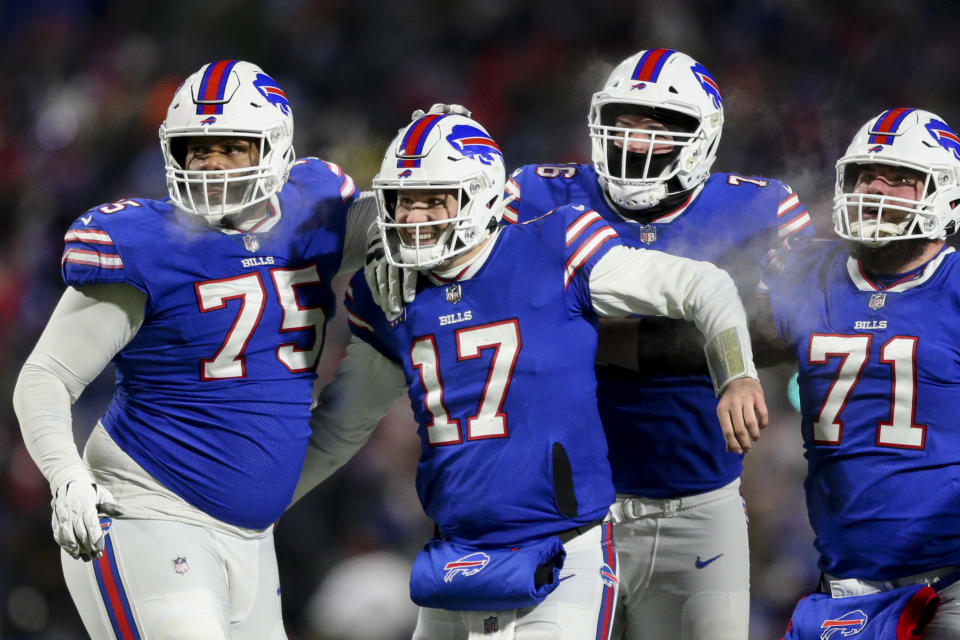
(863, 282)
(266, 222)
(464, 271)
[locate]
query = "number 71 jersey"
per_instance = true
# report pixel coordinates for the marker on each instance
(879, 385)
(213, 393)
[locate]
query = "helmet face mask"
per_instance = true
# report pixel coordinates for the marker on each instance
(224, 101)
(682, 98)
(454, 156)
(898, 180)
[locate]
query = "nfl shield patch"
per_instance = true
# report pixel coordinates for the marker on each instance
(251, 243)
(180, 565)
(877, 300)
(648, 234)
(491, 625)
(453, 293)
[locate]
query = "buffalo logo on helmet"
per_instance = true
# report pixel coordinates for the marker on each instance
(848, 624)
(269, 89)
(944, 136)
(406, 173)
(708, 83)
(875, 149)
(209, 120)
(639, 85)
(468, 565)
(474, 143)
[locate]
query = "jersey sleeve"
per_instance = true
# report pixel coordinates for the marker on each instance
(365, 318)
(789, 276)
(528, 196)
(793, 219)
(587, 237)
(94, 254)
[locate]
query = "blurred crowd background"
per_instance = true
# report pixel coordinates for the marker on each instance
(88, 83)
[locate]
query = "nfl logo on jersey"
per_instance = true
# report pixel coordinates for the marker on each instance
(251, 243)
(491, 625)
(453, 293)
(180, 565)
(877, 300)
(648, 234)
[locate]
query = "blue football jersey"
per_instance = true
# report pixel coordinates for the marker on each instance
(664, 436)
(500, 374)
(879, 381)
(213, 393)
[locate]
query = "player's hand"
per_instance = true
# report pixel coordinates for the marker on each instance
(439, 107)
(743, 412)
(77, 506)
(391, 287)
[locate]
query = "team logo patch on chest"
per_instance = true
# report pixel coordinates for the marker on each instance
(180, 565)
(848, 624)
(877, 301)
(453, 293)
(647, 233)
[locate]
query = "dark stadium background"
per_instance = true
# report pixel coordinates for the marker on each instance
(86, 84)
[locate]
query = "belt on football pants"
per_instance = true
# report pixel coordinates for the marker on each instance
(629, 507)
(844, 587)
(569, 534)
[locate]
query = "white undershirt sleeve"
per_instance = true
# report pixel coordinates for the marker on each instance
(362, 213)
(363, 390)
(86, 329)
(629, 281)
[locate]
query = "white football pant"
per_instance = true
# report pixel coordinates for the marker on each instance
(684, 567)
(160, 580)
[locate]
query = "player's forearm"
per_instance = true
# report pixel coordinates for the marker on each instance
(629, 281)
(362, 213)
(84, 332)
(42, 404)
(348, 410)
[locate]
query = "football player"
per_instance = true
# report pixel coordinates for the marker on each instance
(212, 305)
(497, 351)
(879, 375)
(655, 127)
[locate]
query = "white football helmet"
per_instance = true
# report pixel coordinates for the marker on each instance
(235, 99)
(908, 139)
(679, 92)
(444, 152)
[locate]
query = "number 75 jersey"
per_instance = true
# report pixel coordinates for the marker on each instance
(213, 393)
(879, 376)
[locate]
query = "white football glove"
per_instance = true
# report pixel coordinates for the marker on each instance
(439, 107)
(76, 520)
(391, 287)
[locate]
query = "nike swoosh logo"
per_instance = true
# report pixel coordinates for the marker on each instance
(702, 563)
(86, 219)
(562, 578)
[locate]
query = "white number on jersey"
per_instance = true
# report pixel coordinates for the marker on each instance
(900, 352)
(556, 171)
(229, 361)
(489, 421)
